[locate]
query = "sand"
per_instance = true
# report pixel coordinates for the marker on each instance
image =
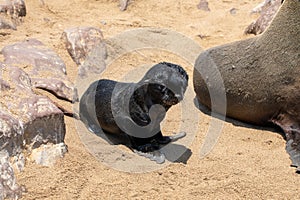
(247, 162)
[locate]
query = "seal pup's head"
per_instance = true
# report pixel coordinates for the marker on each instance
(166, 83)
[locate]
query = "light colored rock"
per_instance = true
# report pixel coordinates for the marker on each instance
(123, 4)
(47, 154)
(6, 24)
(8, 186)
(13, 8)
(11, 13)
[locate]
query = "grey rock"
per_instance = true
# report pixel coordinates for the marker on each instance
(13, 8)
(203, 5)
(26, 118)
(11, 13)
(45, 68)
(8, 186)
(123, 4)
(233, 11)
(87, 48)
(267, 10)
(6, 24)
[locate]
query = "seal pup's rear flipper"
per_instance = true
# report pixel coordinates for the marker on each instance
(156, 156)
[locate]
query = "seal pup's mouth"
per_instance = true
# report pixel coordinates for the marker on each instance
(171, 100)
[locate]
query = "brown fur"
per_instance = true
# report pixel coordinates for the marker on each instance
(261, 76)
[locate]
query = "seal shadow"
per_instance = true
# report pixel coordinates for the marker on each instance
(175, 153)
(268, 127)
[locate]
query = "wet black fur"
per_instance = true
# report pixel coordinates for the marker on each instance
(164, 84)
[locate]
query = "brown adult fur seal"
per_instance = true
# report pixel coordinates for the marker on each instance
(261, 76)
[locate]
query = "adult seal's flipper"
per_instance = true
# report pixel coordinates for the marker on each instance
(289, 124)
(294, 154)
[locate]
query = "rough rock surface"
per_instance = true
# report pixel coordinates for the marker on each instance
(47, 154)
(26, 118)
(86, 47)
(45, 68)
(6, 24)
(8, 186)
(268, 9)
(11, 13)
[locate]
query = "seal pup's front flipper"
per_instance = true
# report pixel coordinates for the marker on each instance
(177, 136)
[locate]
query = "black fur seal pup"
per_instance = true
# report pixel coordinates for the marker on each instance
(136, 109)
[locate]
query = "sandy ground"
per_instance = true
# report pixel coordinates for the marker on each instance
(247, 162)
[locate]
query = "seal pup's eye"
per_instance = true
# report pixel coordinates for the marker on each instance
(160, 88)
(163, 88)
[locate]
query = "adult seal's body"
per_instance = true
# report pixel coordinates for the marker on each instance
(261, 77)
(135, 109)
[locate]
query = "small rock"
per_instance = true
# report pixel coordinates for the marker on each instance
(103, 22)
(11, 13)
(86, 47)
(203, 5)
(80, 41)
(13, 8)
(47, 154)
(203, 36)
(269, 142)
(123, 4)
(233, 11)
(4, 24)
